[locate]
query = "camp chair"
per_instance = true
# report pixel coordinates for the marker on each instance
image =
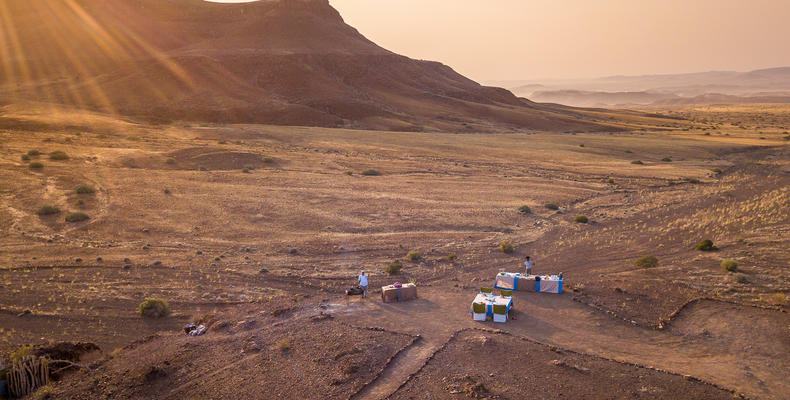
(500, 313)
(486, 290)
(506, 293)
(478, 311)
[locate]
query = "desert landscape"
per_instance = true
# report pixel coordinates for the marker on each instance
(254, 224)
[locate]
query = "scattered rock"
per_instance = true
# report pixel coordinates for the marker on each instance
(157, 263)
(199, 252)
(23, 313)
(292, 250)
(127, 266)
(99, 259)
(126, 260)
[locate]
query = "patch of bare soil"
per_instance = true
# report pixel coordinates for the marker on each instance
(477, 365)
(257, 356)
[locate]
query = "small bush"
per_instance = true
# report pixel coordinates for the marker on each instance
(170, 160)
(741, 278)
(582, 219)
(629, 152)
(451, 257)
(524, 210)
(35, 165)
(268, 160)
(349, 173)
(25, 157)
(581, 145)
(77, 217)
(729, 265)
(167, 191)
(779, 298)
(33, 153)
(610, 181)
(646, 262)
(551, 206)
(394, 268)
(716, 170)
(154, 308)
(637, 162)
(284, 345)
(666, 159)
(85, 189)
(58, 156)
(414, 255)
(246, 170)
(692, 180)
(706, 245)
(48, 210)
(506, 247)
(371, 172)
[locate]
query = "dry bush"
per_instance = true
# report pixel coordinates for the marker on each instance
(646, 262)
(637, 162)
(58, 156)
(551, 206)
(85, 189)
(741, 278)
(154, 308)
(414, 255)
(371, 172)
(706, 245)
(582, 219)
(77, 217)
(33, 153)
(36, 165)
(451, 257)
(48, 210)
(729, 265)
(394, 268)
(284, 345)
(666, 159)
(506, 247)
(524, 209)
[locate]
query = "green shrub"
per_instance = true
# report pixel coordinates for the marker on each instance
(33, 153)
(506, 247)
(551, 206)
(582, 219)
(741, 278)
(35, 165)
(729, 265)
(77, 217)
(646, 262)
(666, 159)
(414, 255)
(706, 245)
(394, 268)
(637, 162)
(85, 189)
(58, 156)
(524, 210)
(371, 172)
(153, 308)
(48, 210)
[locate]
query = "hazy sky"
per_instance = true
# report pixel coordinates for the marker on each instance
(533, 39)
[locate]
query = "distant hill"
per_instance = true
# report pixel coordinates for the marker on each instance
(289, 62)
(765, 85)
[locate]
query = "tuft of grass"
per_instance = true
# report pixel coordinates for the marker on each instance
(741, 278)
(629, 152)
(153, 308)
(716, 170)
(581, 145)
(506, 247)
(349, 173)
(451, 257)
(729, 265)
(25, 157)
(33, 153)
(85, 189)
(414, 255)
(371, 172)
(551, 206)
(524, 210)
(646, 262)
(36, 165)
(48, 210)
(779, 298)
(167, 191)
(706, 245)
(637, 162)
(666, 159)
(246, 170)
(58, 156)
(268, 160)
(394, 268)
(582, 219)
(170, 160)
(610, 181)
(77, 217)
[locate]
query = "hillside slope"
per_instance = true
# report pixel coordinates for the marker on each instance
(279, 62)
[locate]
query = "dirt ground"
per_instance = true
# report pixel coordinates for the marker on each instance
(263, 228)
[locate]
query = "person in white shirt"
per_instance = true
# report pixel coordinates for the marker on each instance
(529, 264)
(363, 283)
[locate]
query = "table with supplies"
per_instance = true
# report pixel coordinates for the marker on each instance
(528, 283)
(398, 292)
(490, 300)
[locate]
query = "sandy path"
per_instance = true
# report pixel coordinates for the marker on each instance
(560, 321)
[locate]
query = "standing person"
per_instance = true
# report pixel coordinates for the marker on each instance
(529, 264)
(363, 283)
